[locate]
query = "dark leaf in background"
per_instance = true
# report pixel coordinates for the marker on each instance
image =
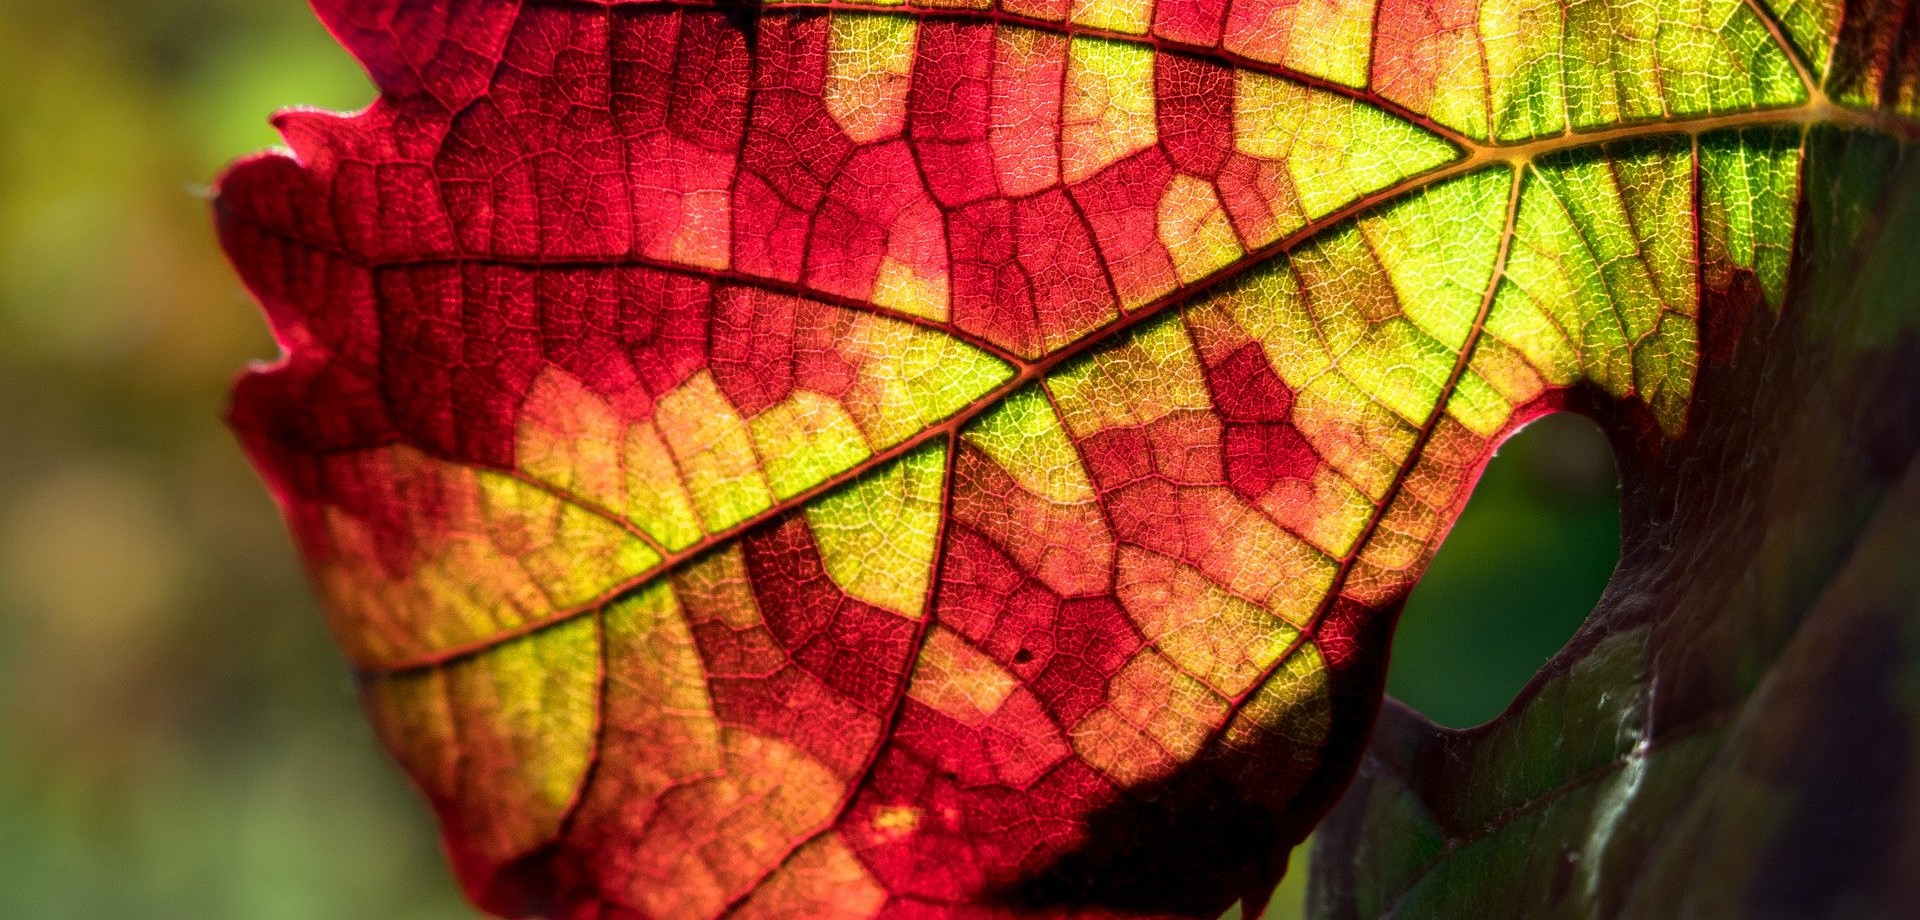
(1733, 732)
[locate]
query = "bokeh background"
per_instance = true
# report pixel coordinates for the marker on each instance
(178, 738)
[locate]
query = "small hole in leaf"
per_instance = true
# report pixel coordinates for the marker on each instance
(1522, 568)
(1022, 656)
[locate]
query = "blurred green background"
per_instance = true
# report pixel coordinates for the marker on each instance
(178, 738)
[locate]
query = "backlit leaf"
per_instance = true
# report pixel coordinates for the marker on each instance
(807, 459)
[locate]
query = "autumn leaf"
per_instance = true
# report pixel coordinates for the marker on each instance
(838, 460)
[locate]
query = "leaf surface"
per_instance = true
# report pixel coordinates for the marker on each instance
(842, 460)
(1731, 734)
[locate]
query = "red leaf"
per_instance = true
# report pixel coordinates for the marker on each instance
(811, 460)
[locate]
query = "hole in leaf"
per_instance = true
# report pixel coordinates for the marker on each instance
(1522, 568)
